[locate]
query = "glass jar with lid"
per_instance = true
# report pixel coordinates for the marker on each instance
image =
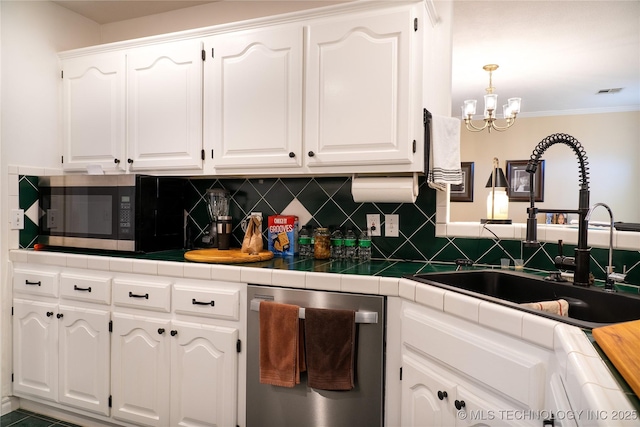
(322, 243)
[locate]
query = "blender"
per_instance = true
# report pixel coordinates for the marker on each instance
(218, 206)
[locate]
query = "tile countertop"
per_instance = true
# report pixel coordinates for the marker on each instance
(382, 268)
(344, 276)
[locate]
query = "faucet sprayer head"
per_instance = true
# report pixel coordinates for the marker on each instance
(532, 166)
(532, 229)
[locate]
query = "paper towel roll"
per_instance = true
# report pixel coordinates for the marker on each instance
(395, 189)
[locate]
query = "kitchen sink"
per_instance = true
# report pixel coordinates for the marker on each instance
(588, 307)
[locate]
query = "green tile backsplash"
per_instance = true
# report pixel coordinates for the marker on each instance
(329, 203)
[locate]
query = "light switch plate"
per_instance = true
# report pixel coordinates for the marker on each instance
(17, 219)
(392, 225)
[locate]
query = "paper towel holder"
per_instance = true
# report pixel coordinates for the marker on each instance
(385, 188)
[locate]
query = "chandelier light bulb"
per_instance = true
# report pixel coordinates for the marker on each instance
(514, 105)
(470, 107)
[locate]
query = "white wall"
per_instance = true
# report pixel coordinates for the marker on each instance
(612, 144)
(31, 34)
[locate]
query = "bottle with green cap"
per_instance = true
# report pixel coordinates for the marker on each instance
(364, 246)
(337, 245)
(305, 247)
(350, 248)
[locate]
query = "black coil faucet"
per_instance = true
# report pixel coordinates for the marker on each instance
(580, 262)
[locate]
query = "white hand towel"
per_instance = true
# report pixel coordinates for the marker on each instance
(444, 157)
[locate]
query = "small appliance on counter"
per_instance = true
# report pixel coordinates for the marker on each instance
(218, 208)
(134, 213)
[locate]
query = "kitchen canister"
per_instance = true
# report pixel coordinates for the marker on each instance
(224, 226)
(322, 243)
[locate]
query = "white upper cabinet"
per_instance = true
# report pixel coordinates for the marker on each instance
(336, 90)
(363, 92)
(253, 99)
(164, 106)
(93, 111)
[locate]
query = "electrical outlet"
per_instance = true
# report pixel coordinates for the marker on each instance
(373, 225)
(17, 219)
(391, 225)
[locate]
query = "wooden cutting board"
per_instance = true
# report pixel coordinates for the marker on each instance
(621, 344)
(230, 256)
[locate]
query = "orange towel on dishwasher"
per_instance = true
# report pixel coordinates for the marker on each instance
(280, 344)
(330, 337)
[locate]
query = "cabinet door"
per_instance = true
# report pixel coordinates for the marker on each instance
(35, 349)
(253, 98)
(164, 106)
(140, 369)
(483, 410)
(359, 91)
(93, 113)
(421, 404)
(203, 375)
(84, 368)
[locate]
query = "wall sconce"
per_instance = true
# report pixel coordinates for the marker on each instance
(497, 201)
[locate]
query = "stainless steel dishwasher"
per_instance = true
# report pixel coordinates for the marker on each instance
(269, 405)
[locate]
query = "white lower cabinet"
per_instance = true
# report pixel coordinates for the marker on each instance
(61, 349)
(83, 365)
(455, 373)
(113, 348)
(167, 371)
(426, 396)
(140, 351)
(173, 373)
(35, 349)
(61, 353)
(431, 396)
(203, 375)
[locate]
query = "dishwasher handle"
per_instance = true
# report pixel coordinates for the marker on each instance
(361, 316)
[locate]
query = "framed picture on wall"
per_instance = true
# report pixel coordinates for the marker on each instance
(463, 192)
(518, 179)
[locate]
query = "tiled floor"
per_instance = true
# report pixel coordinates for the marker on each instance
(22, 418)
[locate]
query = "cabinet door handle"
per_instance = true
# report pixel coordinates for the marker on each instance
(292, 154)
(132, 295)
(195, 302)
(161, 331)
(38, 283)
(76, 288)
(49, 313)
(311, 154)
(59, 315)
(459, 404)
(442, 395)
(129, 161)
(116, 161)
(174, 332)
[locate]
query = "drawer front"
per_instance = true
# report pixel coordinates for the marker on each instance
(86, 288)
(217, 302)
(36, 282)
(145, 295)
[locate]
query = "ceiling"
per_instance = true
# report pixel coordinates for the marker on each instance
(108, 11)
(555, 55)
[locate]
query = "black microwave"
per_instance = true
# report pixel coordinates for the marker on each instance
(134, 213)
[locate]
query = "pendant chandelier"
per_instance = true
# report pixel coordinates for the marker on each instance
(510, 110)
